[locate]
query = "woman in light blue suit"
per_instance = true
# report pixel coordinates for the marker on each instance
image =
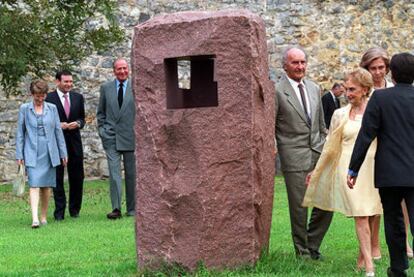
(40, 146)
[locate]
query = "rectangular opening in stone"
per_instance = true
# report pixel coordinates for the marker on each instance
(200, 91)
(184, 74)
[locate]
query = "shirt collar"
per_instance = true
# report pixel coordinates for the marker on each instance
(294, 83)
(124, 83)
(388, 84)
(60, 93)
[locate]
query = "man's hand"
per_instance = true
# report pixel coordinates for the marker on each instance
(351, 181)
(20, 162)
(308, 178)
(73, 125)
(69, 126)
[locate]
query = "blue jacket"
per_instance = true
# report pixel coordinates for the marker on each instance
(26, 135)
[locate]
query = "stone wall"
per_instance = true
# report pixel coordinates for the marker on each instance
(334, 33)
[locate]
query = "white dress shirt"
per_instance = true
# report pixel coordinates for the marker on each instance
(62, 98)
(295, 86)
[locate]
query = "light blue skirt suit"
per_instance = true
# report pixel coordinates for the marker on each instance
(40, 143)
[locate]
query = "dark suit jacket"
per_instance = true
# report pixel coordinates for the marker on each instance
(77, 113)
(329, 107)
(389, 117)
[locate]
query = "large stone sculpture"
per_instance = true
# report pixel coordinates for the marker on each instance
(205, 162)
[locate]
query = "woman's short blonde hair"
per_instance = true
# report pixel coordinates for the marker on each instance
(362, 77)
(372, 54)
(39, 87)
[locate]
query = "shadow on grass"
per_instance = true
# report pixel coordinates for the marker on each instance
(276, 263)
(267, 265)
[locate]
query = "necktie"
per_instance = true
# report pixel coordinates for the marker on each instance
(66, 105)
(305, 106)
(120, 94)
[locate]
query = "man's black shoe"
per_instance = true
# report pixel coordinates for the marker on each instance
(74, 215)
(315, 255)
(59, 218)
(115, 214)
(393, 273)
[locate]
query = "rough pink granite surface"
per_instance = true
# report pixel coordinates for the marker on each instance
(204, 175)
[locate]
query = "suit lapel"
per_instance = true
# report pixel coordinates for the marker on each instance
(31, 108)
(72, 104)
(333, 104)
(127, 98)
(45, 109)
(58, 103)
(112, 96)
(313, 100)
(292, 99)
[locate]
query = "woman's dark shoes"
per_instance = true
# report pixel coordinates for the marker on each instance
(115, 214)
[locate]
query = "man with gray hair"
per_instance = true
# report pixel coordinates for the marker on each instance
(300, 135)
(116, 121)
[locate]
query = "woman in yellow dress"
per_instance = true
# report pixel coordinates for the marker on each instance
(328, 189)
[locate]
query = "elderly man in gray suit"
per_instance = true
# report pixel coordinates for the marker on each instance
(116, 120)
(300, 135)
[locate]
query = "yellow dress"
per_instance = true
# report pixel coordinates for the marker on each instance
(328, 189)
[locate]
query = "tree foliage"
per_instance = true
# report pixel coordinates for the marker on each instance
(39, 36)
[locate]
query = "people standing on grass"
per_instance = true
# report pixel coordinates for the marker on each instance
(328, 188)
(377, 62)
(389, 118)
(40, 147)
(71, 109)
(300, 135)
(299, 112)
(116, 121)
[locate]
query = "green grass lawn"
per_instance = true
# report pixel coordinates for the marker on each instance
(92, 245)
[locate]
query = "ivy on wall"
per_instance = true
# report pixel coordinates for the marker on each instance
(38, 37)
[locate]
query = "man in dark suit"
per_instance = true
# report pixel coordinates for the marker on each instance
(330, 102)
(71, 110)
(116, 121)
(300, 135)
(389, 117)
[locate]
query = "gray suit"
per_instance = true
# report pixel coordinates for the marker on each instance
(116, 129)
(299, 146)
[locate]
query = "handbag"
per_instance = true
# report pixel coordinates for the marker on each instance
(20, 181)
